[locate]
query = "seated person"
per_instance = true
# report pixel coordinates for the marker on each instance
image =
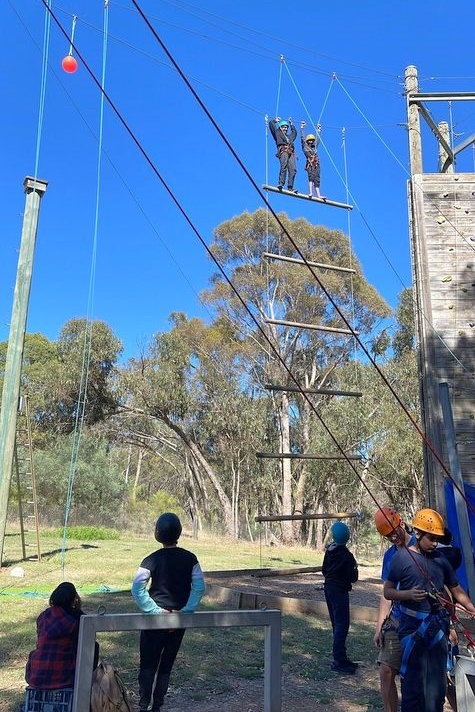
(52, 665)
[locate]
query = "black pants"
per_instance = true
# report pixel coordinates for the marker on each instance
(338, 603)
(158, 650)
(287, 165)
(424, 683)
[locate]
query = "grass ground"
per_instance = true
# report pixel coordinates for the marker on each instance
(102, 572)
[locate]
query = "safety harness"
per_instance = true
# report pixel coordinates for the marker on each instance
(408, 641)
(285, 148)
(313, 161)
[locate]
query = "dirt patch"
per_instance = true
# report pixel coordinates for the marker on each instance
(303, 586)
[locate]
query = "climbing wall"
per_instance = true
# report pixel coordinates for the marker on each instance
(442, 214)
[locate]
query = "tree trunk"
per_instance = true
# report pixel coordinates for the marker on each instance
(301, 485)
(137, 473)
(284, 422)
(208, 469)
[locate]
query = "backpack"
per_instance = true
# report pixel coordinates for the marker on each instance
(108, 692)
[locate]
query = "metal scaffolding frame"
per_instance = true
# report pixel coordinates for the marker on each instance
(90, 625)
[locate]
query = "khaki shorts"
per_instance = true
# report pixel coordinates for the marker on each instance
(390, 654)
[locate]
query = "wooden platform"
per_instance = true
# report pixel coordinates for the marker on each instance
(322, 201)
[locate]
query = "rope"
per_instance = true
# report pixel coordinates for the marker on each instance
(87, 340)
(372, 127)
(279, 86)
(302, 101)
(73, 30)
(44, 68)
(350, 250)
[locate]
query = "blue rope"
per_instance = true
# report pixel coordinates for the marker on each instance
(44, 67)
(279, 85)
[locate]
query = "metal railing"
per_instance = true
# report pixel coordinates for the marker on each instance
(90, 625)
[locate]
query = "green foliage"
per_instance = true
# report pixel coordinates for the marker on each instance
(142, 514)
(95, 476)
(404, 337)
(84, 533)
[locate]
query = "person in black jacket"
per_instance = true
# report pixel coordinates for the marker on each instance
(452, 553)
(176, 585)
(340, 570)
(284, 140)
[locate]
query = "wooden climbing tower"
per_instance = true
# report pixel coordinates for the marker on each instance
(442, 222)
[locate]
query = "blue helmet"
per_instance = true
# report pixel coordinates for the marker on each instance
(283, 123)
(340, 532)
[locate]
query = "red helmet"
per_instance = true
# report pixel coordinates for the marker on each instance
(387, 520)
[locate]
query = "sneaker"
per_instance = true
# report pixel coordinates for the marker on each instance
(279, 187)
(351, 663)
(342, 668)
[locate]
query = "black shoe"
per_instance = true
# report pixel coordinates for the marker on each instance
(342, 668)
(351, 663)
(279, 187)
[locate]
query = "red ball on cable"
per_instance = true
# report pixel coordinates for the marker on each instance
(69, 64)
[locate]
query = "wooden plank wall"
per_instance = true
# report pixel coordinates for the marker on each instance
(443, 251)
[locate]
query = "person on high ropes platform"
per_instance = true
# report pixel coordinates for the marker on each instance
(312, 166)
(284, 134)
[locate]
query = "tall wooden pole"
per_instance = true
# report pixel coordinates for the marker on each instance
(34, 190)
(414, 123)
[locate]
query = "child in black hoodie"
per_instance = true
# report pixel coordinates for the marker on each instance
(340, 570)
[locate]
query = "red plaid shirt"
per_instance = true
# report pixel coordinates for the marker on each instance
(52, 664)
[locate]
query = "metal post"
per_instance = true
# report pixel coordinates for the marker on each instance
(34, 190)
(272, 658)
(461, 508)
(464, 683)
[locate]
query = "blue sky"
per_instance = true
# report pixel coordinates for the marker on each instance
(344, 65)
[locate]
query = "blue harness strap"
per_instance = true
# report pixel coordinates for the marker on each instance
(408, 641)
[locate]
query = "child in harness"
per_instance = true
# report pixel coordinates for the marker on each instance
(417, 577)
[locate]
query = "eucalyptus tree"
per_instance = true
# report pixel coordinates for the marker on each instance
(96, 483)
(381, 426)
(260, 292)
(72, 378)
(192, 380)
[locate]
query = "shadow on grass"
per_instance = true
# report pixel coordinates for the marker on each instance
(46, 555)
